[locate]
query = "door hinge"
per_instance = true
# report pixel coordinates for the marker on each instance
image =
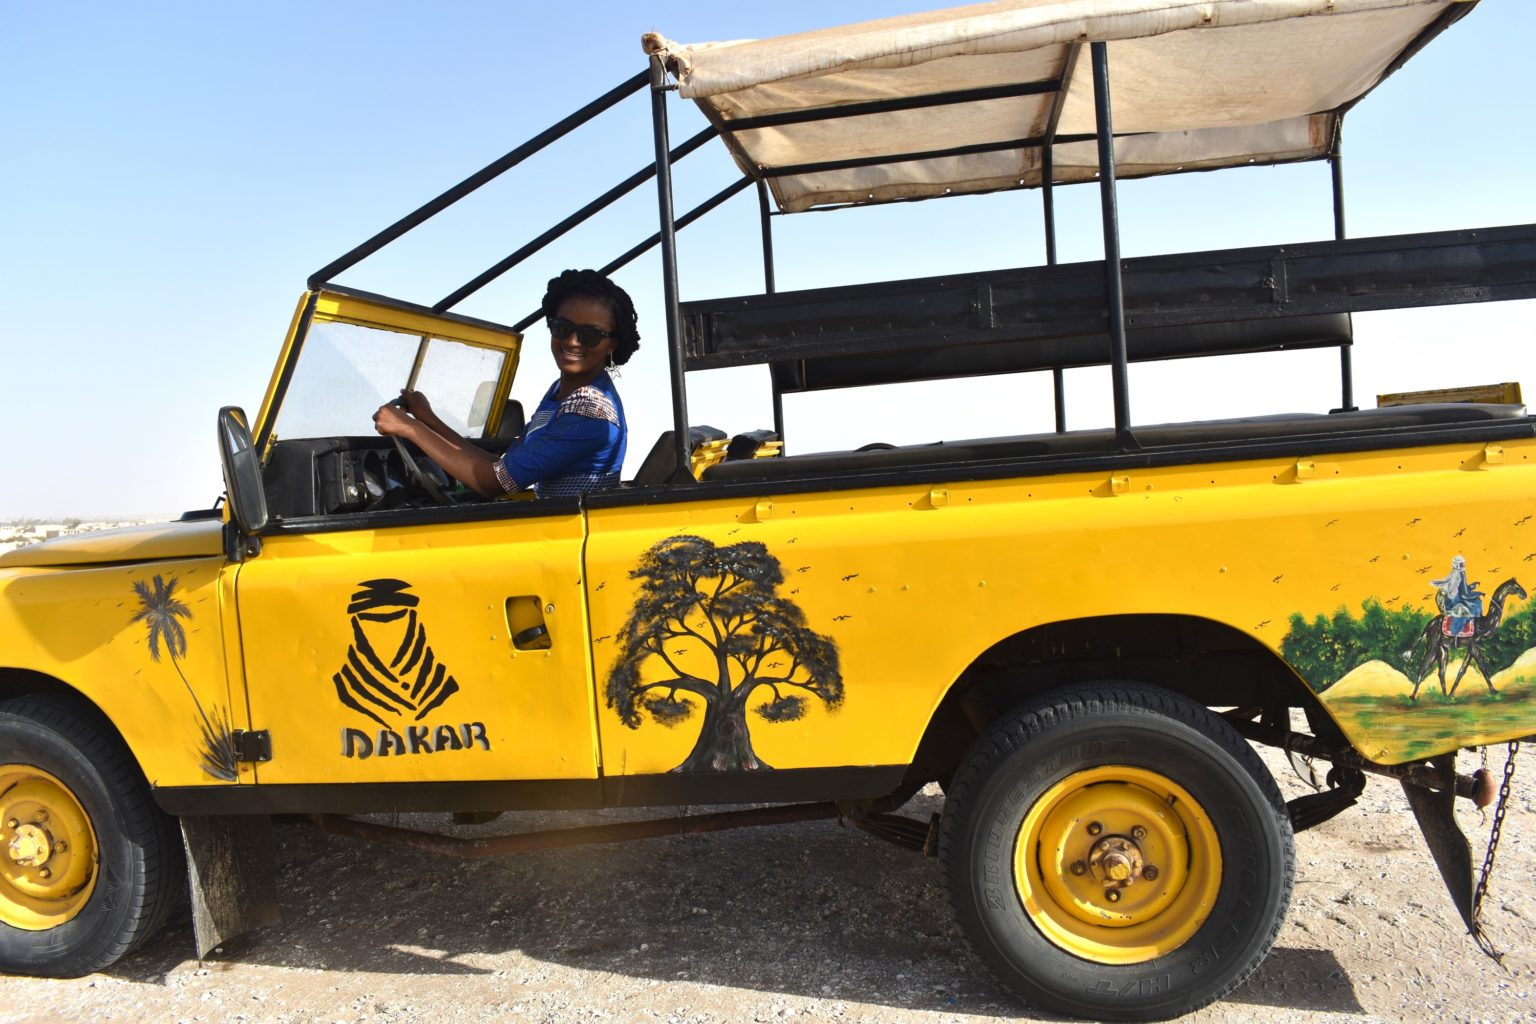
(253, 745)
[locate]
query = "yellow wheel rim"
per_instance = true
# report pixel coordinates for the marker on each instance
(48, 852)
(1081, 865)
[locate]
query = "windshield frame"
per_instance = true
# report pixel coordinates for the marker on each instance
(379, 312)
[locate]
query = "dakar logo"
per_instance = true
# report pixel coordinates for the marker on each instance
(410, 685)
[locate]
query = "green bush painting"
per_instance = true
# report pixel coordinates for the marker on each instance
(1380, 650)
(1328, 648)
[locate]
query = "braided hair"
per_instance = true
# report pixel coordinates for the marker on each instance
(626, 333)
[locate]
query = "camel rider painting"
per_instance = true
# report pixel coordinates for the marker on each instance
(1460, 601)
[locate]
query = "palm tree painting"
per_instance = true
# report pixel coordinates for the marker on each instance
(161, 613)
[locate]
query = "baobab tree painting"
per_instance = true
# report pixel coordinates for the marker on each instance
(710, 632)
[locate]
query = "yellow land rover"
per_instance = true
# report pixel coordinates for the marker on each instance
(1077, 634)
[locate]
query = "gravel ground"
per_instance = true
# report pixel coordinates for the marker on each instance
(813, 921)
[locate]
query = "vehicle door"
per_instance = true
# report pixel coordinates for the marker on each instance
(390, 640)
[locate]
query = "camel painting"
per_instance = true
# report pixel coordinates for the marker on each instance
(1439, 643)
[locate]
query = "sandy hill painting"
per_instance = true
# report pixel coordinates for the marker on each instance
(1402, 681)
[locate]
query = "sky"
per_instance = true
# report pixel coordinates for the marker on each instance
(171, 173)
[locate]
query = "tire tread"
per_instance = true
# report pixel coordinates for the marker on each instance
(153, 833)
(1047, 713)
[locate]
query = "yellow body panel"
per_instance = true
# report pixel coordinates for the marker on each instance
(350, 309)
(913, 583)
(536, 621)
(91, 628)
(125, 544)
(448, 598)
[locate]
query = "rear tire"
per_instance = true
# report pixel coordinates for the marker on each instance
(89, 866)
(1053, 822)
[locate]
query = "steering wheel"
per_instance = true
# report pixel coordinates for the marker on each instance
(423, 481)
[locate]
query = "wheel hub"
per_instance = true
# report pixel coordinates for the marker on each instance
(1118, 861)
(31, 847)
(50, 864)
(1117, 864)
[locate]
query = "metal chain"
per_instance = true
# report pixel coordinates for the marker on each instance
(1482, 812)
(1478, 934)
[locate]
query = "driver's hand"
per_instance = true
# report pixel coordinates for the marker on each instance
(416, 404)
(392, 421)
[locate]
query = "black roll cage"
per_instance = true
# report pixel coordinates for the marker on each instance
(705, 334)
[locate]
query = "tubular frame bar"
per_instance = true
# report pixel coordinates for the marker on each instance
(1047, 151)
(1346, 354)
(1113, 285)
(764, 215)
(597, 205)
(900, 158)
(1336, 166)
(1048, 204)
(1068, 72)
(668, 238)
(486, 174)
(739, 185)
(937, 99)
(646, 246)
(1347, 376)
(1048, 209)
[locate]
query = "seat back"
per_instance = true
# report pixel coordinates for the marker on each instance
(754, 444)
(512, 422)
(660, 465)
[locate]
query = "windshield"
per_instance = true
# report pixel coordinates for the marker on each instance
(346, 371)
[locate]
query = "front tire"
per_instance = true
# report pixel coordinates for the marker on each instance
(89, 866)
(1117, 852)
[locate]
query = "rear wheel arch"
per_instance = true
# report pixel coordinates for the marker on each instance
(1209, 662)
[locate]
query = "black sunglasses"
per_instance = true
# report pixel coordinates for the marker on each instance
(589, 335)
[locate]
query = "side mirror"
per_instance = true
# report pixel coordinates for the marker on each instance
(242, 472)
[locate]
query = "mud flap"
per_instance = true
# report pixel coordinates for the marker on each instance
(231, 869)
(1434, 809)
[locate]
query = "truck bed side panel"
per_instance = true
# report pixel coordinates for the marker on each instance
(822, 629)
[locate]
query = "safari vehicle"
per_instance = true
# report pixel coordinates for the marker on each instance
(1077, 634)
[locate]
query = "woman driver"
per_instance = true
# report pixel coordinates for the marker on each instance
(574, 442)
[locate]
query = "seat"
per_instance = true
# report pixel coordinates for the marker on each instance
(754, 444)
(512, 422)
(706, 446)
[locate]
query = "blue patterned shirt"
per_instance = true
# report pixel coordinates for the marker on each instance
(571, 445)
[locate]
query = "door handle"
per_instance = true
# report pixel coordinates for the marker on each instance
(526, 639)
(526, 623)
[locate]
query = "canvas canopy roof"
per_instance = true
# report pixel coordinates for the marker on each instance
(1194, 85)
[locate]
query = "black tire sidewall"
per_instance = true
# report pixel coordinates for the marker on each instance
(1250, 823)
(113, 917)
